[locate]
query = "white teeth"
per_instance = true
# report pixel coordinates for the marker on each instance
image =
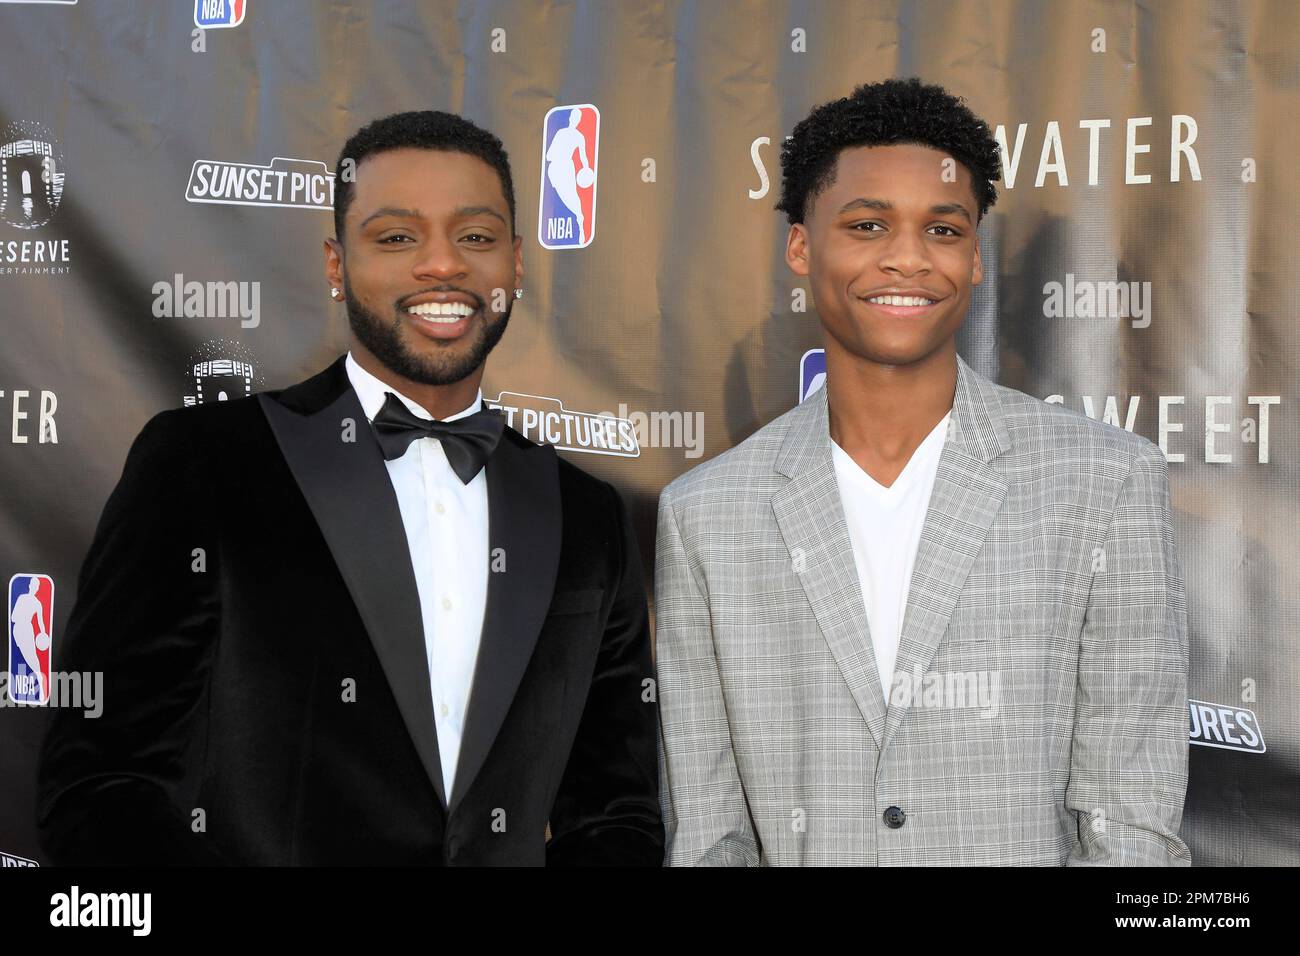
(900, 300)
(442, 312)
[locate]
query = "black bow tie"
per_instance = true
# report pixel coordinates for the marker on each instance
(468, 442)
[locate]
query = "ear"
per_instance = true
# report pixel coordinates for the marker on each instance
(796, 249)
(977, 269)
(519, 262)
(334, 263)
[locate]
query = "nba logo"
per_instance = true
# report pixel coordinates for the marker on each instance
(812, 372)
(218, 13)
(31, 617)
(566, 218)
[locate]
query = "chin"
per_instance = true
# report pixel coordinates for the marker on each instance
(897, 354)
(421, 345)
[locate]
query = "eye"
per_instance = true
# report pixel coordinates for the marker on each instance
(951, 230)
(855, 225)
(479, 236)
(389, 239)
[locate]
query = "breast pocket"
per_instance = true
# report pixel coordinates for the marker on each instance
(975, 639)
(977, 628)
(576, 601)
(1001, 623)
(1026, 650)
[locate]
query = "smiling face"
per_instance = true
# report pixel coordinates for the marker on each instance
(429, 262)
(892, 220)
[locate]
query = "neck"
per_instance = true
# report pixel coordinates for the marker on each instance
(440, 401)
(883, 412)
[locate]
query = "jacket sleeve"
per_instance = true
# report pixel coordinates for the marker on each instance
(113, 787)
(1128, 760)
(606, 812)
(705, 813)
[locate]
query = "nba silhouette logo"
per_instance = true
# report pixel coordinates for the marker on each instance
(31, 618)
(566, 217)
(210, 14)
(812, 372)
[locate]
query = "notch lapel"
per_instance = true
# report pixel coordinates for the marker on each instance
(968, 493)
(348, 489)
(811, 518)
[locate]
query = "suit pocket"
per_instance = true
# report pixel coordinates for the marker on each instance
(576, 601)
(978, 627)
(965, 639)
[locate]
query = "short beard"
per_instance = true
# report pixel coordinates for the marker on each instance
(384, 342)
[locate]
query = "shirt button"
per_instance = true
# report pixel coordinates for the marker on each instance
(444, 710)
(446, 604)
(439, 508)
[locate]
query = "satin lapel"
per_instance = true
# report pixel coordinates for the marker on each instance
(524, 531)
(968, 492)
(811, 519)
(348, 489)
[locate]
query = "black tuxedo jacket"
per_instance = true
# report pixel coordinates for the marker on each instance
(250, 599)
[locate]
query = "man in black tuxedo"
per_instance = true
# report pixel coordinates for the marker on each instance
(361, 620)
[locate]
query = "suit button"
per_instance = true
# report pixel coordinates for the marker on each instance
(894, 817)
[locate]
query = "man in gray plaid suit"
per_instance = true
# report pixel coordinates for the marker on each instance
(921, 618)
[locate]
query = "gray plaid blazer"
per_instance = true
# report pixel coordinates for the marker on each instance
(1038, 712)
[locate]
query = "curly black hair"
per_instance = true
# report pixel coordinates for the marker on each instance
(881, 114)
(422, 129)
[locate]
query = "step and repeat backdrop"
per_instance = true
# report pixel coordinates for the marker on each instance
(165, 186)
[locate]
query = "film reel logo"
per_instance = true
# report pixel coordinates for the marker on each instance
(31, 175)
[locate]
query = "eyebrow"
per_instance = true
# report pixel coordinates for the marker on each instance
(462, 212)
(943, 209)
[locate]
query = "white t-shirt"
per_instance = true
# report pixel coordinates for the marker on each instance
(885, 531)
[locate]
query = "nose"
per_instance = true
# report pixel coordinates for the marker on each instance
(440, 259)
(905, 253)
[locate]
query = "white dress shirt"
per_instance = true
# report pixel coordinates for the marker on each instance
(447, 533)
(885, 532)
